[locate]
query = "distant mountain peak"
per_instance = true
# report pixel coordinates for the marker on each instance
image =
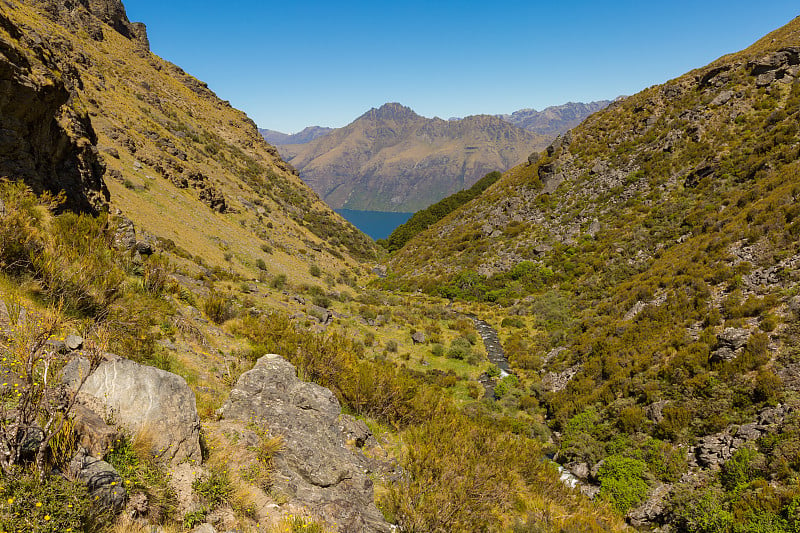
(391, 111)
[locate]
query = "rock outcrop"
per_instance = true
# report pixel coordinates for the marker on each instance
(43, 140)
(92, 15)
(143, 400)
(314, 469)
(714, 450)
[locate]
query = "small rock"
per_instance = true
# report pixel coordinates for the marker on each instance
(144, 248)
(30, 442)
(95, 435)
(73, 342)
(100, 477)
(110, 150)
(722, 98)
(57, 346)
(579, 470)
(2, 208)
(355, 430)
(204, 528)
(418, 337)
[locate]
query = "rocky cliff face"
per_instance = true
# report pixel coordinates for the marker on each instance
(87, 109)
(45, 140)
(94, 16)
(391, 159)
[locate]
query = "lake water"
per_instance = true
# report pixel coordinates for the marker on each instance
(376, 224)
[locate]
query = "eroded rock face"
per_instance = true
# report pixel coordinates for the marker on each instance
(43, 141)
(314, 469)
(143, 399)
(89, 14)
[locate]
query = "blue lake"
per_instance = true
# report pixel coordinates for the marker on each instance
(376, 224)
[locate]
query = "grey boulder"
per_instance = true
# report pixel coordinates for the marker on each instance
(314, 469)
(145, 401)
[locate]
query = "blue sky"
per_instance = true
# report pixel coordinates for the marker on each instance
(295, 63)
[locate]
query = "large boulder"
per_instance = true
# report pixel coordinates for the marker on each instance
(144, 401)
(314, 469)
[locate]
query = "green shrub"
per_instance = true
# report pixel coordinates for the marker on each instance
(622, 482)
(53, 506)
(218, 308)
(699, 511)
(460, 349)
(278, 282)
(133, 459)
(214, 488)
(509, 322)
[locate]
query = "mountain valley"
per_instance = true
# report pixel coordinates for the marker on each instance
(604, 336)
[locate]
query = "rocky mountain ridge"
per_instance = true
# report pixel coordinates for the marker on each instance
(380, 172)
(306, 135)
(391, 159)
(554, 120)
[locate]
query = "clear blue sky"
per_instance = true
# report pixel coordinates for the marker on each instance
(295, 63)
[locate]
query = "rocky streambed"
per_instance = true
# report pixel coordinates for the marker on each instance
(496, 354)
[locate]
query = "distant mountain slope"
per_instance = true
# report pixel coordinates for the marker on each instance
(657, 248)
(87, 109)
(391, 159)
(308, 134)
(554, 120)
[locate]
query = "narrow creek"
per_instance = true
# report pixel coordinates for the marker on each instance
(494, 350)
(496, 354)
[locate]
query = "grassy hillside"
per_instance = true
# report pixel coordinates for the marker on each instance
(654, 250)
(183, 164)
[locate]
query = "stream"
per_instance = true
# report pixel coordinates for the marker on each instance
(495, 353)
(494, 350)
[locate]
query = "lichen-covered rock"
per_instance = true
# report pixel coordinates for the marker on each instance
(104, 483)
(144, 400)
(314, 469)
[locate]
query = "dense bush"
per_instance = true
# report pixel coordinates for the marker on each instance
(622, 482)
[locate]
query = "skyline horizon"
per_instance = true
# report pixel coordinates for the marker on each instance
(294, 65)
(441, 118)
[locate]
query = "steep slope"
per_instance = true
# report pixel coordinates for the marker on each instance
(305, 136)
(89, 110)
(656, 249)
(391, 159)
(554, 120)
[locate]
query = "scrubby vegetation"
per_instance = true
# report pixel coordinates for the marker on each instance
(635, 250)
